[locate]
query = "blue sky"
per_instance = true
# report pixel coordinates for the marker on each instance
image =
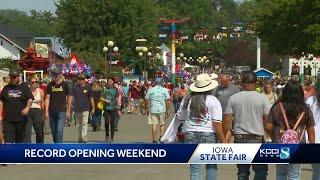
(27, 5)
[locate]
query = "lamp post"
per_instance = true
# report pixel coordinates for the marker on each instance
(142, 51)
(150, 56)
(204, 61)
(145, 76)
(105, 49)
(190, 60)
(115, 49)
(181, 55)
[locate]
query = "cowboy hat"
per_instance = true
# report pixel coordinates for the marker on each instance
(214, 76)
(203, 83)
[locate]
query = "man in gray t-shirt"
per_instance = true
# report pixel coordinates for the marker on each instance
(225, 91)
(248, 110)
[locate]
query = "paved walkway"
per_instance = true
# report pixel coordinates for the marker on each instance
(132, 129)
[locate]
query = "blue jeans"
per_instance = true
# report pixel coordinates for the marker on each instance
(290, 171)
(195, 169)
(96, 119)
(261, 170)
(56, 125)
(316, 171)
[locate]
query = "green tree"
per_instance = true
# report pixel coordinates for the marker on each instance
(290, 27)
(86, 26)
(38, 23)
(8, 63)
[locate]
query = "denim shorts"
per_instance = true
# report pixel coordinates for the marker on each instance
(200, 137)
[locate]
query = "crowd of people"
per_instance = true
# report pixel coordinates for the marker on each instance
(210, 108)
(77, 102)
(217, 111)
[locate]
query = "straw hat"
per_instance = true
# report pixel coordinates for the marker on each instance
(203, 83)
(214, 76)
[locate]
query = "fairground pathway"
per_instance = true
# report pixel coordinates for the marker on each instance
(132, 129)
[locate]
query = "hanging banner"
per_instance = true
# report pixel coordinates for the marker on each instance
(42, 50)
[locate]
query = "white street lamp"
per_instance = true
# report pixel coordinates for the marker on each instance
(181, 55)
(105, 49)
(115, 49)
(140, 54)
(141, 40)
(144, 49)
(110, 43)
(149, 54)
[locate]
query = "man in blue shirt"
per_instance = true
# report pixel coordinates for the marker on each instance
(83, 98)
(156, 99)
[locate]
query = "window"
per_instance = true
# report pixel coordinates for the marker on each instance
(1, 43)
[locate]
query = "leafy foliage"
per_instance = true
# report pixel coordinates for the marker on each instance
(40, 23)
(8, 63)
(291, 27)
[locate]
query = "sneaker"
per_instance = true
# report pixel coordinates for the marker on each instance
(154, 142)
(107, 140)
(111, 141)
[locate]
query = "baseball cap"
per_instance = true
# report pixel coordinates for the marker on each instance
(158, 80)
(14, 72)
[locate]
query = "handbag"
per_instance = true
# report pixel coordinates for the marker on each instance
(171, 132)
(101, 105)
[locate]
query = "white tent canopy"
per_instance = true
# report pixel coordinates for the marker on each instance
(187, 65)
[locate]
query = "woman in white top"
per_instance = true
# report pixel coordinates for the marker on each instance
(314, 103)
(202, 114)
(35, 113)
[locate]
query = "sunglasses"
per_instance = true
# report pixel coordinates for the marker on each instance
(32, 82)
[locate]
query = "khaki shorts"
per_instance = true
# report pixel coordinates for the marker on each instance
(155, 119)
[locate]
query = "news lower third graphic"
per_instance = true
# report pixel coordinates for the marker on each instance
(159, 153)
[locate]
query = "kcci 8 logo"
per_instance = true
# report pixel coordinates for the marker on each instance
(282, 153)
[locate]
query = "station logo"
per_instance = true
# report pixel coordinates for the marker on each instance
(281, 153)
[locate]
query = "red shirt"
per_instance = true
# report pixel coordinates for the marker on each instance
(135, 94)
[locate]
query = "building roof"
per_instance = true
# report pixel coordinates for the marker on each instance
(164, 48)
(263, 73)
(16, 35)
(263, 69)
(13, 43)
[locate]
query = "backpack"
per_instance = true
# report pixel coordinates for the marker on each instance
(290, 136)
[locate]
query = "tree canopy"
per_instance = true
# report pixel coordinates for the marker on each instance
(38, 23)
(285, 26)
(290, 27)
